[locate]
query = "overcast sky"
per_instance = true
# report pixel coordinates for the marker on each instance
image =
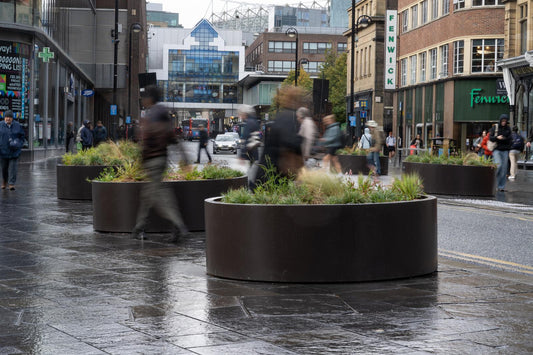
(192, 11)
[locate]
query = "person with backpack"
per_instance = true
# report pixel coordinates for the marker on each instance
(332, 140)
(501, 135)
(517, 146)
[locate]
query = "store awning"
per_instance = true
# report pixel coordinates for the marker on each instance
(514, 68)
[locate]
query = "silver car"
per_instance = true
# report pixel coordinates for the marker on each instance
(225, 143)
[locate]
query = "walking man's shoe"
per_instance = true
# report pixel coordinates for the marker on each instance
(11, 187)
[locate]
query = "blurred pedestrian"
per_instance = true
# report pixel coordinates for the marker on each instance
(11, 141)
(487, 153)
(86, 135)
(99, 133)
(250, 134)
(203, 138)
(366, 140)
(282, 143)
(390, 142)
(478, 148)
(417, 143)
(501, 134)
(156, 135)
(69, 139)
(375, 147)
(332, 140)
(308, 131)
(517, 146)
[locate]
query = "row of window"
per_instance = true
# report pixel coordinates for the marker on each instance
(288, 65)
(308, 47)
(433, 64)
(427, 10)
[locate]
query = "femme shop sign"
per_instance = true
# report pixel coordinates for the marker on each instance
(476, 98)
(391, 25)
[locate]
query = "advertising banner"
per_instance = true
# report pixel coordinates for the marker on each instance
(14, 79)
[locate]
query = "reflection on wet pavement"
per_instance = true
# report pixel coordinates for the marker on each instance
(65, 289)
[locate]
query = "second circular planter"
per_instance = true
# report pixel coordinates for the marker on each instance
(115, 204)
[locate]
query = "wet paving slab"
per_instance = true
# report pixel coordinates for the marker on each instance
(66, 289)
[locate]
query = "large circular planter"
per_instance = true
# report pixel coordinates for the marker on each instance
(72, 181)
(115, 204)
(455, 179)
(321, 243)
(358, 164)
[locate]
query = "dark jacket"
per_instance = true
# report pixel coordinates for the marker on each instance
(156, 132)
(100, 134)
(11, 140)
(505, 131)
(282, 136)
(204, 137)
(332, 136)
(87, 138)
(252, 125)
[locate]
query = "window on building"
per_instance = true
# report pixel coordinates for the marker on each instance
(523, 28)
(341, 47)
(486, 2)
(412, 63)
(403, 64)
(281, 47)
(316, 47)
(405, 21)
(445, 7)
(444, 61)
(458, 57)
(485, 53)
(313, 67)
(434, 9)
(414, 16)
(458, 4)
(280, 65)
(433, 64)
(424, 6)
(422, 60)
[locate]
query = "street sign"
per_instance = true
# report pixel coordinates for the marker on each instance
(87, 92)
(113, 110)
(363, 114)
(128, 119)
(352, 121)
(46, 55)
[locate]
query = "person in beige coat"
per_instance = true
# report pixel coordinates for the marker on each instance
(308, 131)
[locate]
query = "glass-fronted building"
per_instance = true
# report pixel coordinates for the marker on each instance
(39, 81)
(199, 74)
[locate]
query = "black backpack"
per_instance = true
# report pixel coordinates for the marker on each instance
(518, 142)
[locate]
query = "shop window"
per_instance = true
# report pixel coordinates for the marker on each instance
(458, 57)
(485, 53)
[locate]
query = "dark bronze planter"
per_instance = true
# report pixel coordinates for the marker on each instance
(455, 179)
(72, 181)
(321, 243)
(115, 204)
(357, 164)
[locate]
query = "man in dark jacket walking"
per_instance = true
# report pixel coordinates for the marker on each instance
(501, 134)
(251, 124)
(156, 135)
(11, 140)
(204, 138)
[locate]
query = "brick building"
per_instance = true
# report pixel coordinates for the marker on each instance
(448, 84)
(272, 55)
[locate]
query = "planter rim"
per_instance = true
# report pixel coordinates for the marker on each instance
(82, 165)
(173, 181)
(463, 166)
(216, 200)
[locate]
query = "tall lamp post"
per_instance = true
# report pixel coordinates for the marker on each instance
(291, 32)
(363, 21)
(134, 28)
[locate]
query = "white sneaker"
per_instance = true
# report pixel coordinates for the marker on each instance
(511, 177)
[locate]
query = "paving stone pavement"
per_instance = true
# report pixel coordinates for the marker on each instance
(65, 289)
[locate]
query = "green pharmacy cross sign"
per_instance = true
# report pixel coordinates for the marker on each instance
(46, 55)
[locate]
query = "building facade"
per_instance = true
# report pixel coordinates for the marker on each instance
(370, 99)
(155, 16)
(198, 70)
(55, 65)
(448, 85)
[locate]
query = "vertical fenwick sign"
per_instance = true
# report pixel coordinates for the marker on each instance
(391, 25)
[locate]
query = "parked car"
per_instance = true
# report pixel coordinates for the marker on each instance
(225, 142)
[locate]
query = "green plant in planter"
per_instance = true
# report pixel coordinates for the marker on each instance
(317, 187)
(471, 159)
(354, 151)
(108, 153)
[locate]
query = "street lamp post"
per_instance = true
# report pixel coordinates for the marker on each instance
(291, 32)
(363, 21)
(134, 28)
